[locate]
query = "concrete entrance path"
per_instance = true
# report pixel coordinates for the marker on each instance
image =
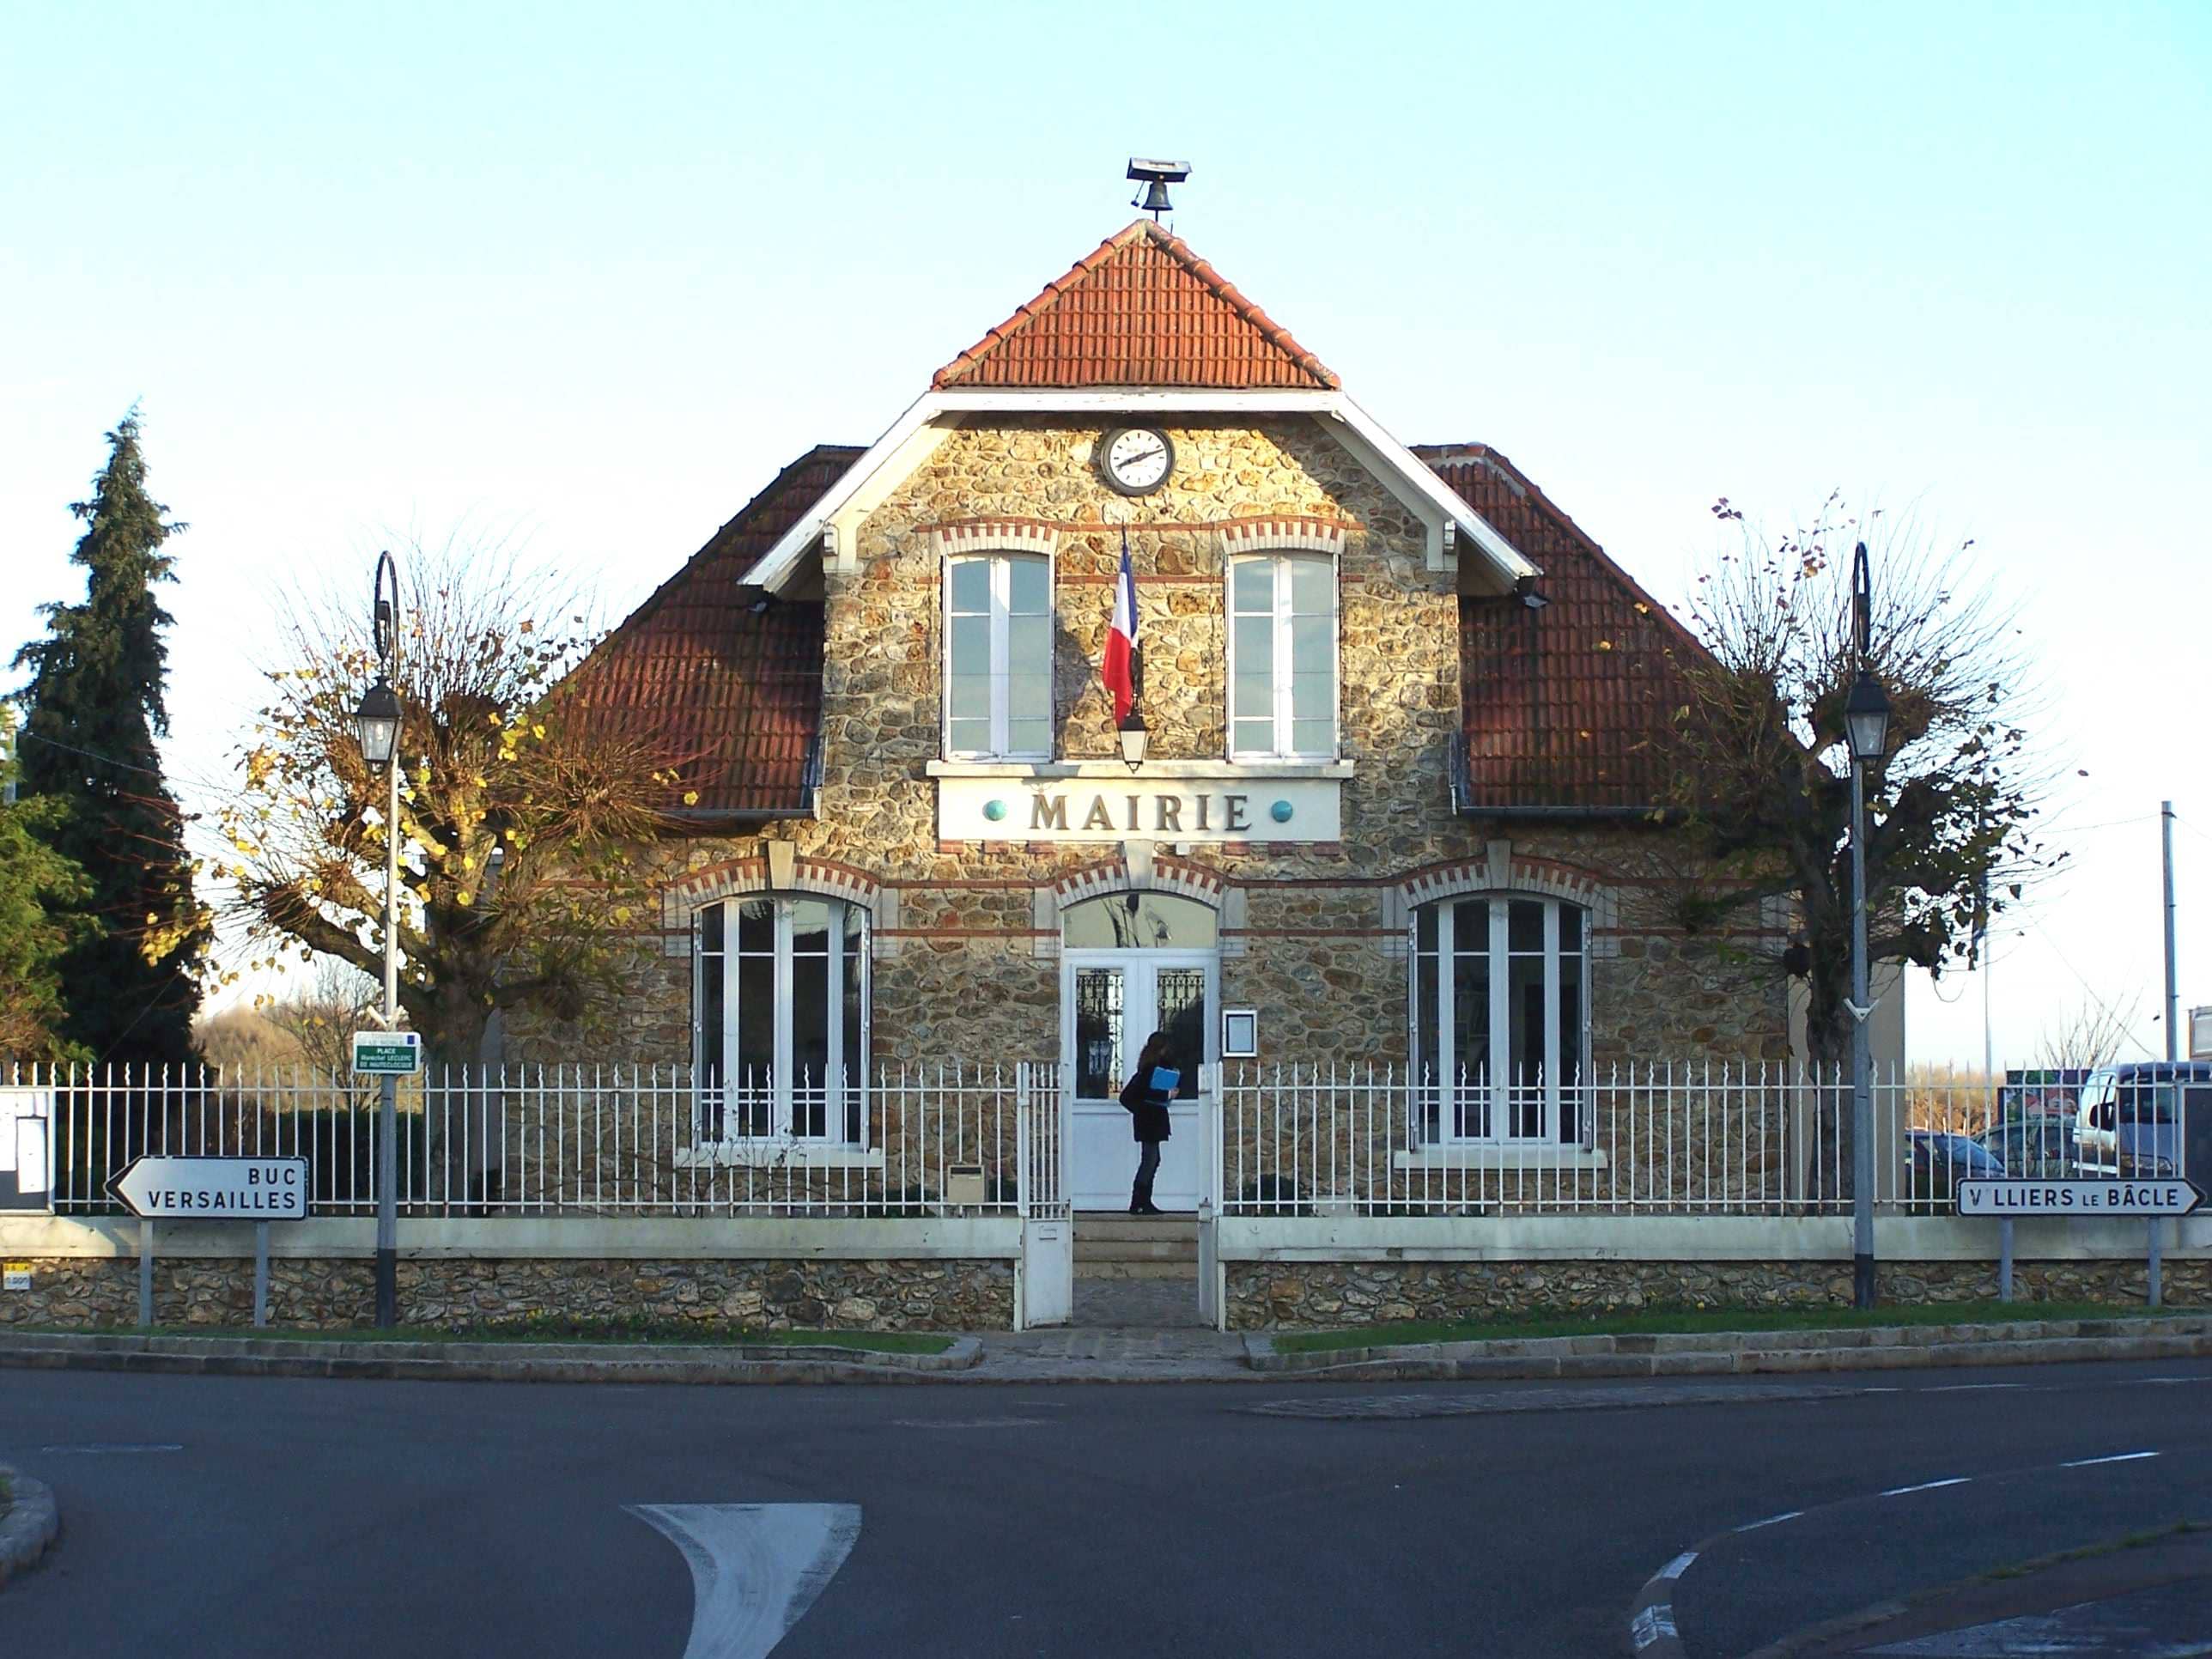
(1076, 1355)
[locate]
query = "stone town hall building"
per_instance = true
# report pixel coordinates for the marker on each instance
(1395, 804)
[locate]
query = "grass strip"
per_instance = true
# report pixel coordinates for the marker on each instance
(581, 1332)
(1679, 1321)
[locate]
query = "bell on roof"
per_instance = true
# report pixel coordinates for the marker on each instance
(1156, 176)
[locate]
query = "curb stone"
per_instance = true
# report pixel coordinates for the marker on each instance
(1858, 1348)
(479, 1362)
(29, 1525)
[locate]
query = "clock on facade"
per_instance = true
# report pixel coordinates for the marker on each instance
(1135, 459)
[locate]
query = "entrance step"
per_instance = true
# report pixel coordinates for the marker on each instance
(1136, 1247)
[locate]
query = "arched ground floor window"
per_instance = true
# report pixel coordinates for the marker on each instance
(1501, 1017)
(779, 1020)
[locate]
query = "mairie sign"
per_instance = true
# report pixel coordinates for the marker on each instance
(1253, 808)
(387, 1054)
(159, 1189)
(2009, 1201)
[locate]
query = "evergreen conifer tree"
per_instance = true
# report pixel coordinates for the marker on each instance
(95, 705)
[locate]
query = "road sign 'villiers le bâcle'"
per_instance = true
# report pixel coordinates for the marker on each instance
(2010, 1199)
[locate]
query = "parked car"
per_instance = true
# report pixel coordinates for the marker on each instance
(2037, 1148)
(2139, 1119)
(1935, 1162)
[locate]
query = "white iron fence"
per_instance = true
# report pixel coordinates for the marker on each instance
(1699, 1138)
(578, 1140)
(1718, 1139)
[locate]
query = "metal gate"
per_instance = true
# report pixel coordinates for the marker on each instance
(1044, 1285)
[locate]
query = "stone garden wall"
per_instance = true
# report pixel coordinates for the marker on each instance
(85, 1293)
(1282, 1295)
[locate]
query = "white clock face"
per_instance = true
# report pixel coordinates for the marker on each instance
(1138, 460)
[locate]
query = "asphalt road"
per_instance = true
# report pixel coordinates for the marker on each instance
(251, 1516)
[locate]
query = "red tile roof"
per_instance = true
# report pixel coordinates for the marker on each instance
(1141, 310)
(737, 696)
(1563, 706)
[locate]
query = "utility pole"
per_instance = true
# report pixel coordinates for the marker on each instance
(2172, 997)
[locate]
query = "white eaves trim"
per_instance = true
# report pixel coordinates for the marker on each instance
(895, 455)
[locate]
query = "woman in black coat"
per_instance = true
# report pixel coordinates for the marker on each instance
(1148, 1111)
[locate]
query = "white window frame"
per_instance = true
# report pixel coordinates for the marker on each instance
(1444, 1088)
(1001, 562)
(782, 1097)
(1282, 747)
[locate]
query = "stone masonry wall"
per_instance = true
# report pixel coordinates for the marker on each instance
(963, 954)
(87, 1292)
(1282, 1295)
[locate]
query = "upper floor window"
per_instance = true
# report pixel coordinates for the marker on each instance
(998, 656)
(1282, 657)
(1501, 1017)
(779, 1001)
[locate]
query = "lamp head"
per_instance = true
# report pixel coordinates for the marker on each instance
(1866, 719)
(1134, 739)
(377, 723)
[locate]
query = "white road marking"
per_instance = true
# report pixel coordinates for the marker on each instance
(1972, 1388)
(1654, 1624)
(2117, 1457)
(755, 1568)
(1770, 1521)
(1927, 1486)
(1677, 1566)
(102, 1448)
(971, 1423)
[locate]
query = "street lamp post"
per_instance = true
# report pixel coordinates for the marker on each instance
(1866, 733)
(377, 722)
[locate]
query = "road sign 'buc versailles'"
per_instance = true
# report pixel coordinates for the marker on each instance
(387, 1054)
(156, 1187)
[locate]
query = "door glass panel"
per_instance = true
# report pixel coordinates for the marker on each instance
(1098, 1012)
(856, 1071)
(1253, 586)
(750, 1087)
(1571, 1042)
(756, 926)
(710, 1041)
(1525, 925)
(1313, 587)
(1179, 1002)
(1029, 587)
(1469, 1082)
(971, 586)
(1526, 1013)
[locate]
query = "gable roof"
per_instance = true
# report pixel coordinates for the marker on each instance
(1140, 309)
(735, 694)
(1564, 708)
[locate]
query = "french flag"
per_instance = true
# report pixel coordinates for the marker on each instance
(1121, 639)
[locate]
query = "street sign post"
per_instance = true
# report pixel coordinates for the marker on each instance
(261, 1190)
(2009, 1201)
(387, 1054)
(2104, 1200)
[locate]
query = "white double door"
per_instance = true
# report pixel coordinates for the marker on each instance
(1111, 1002)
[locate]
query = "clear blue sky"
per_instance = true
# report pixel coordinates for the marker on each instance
(588, 276)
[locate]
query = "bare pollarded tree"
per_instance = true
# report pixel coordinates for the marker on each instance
(525, 823)
(1762, 776)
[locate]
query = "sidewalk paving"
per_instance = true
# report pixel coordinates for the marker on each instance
(2140, 1599)
(1137, 1352)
